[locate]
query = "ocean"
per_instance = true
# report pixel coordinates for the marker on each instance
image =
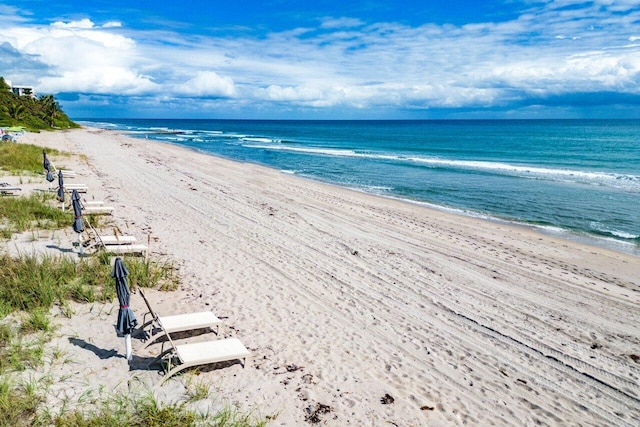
(578, 179)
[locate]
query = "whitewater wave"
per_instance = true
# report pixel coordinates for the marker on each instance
(257, 139)
(625, 182)
(602, 229)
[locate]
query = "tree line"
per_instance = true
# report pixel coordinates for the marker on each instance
(32, 113)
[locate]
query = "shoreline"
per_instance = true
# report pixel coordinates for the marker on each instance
(344, 298)
(593, 239)
(602, 242)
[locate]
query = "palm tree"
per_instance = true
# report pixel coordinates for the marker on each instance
(15, 110)
(50, 109)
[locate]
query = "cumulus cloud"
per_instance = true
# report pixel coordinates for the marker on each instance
(296, 95)
(101, 80)
(80, 57)
(12, 59)
(207, 84)
(83, 23)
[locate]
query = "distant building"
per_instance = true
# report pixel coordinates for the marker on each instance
(22, 90)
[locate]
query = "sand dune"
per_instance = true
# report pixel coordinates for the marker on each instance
(387, 312)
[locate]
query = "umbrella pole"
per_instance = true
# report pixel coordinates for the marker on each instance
(127, 345)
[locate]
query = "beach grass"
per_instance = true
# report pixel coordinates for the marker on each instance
(143, 409)
(18, 352)
(34, 212)
(19, 403)
(23, 158)
(31, 283)
(37, 321)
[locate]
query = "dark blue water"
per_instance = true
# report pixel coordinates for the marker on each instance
(577, 178)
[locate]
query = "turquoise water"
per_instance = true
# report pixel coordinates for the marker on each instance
(576, 178)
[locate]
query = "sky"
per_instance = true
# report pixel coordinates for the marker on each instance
(326, 59)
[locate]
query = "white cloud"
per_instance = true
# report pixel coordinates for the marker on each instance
(297, 95)
(100, 80)
(82, 58)
(112, 24)
(84, 23)
(207, 84)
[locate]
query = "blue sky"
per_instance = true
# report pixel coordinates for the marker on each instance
(356, 59)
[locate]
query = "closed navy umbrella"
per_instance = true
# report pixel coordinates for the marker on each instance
(78, 225)
(126, 320)
(61, 188)
(47, 167)
(45, 161)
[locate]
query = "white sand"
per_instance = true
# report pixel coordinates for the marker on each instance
(460, 320)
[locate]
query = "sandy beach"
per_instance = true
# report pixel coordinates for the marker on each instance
(387, 312)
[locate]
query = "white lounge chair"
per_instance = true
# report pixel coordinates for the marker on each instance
(126, 246)
(107, 239)
(96, 207)
(117, 239)
(68, 188)
(97, 210)
(179, 322)
(81, 188)
(138, 249)
(201, 353)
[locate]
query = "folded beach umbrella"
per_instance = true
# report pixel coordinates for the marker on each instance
(78, 226)
(126, 320)
(61, 188)
(45, 162)
(47, 167)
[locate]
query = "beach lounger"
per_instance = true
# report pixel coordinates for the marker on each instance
(65, 172)
(97, 210)
(115, 245)
(68, 188)
(96, 207)
(128, 249)
(137, 249)
(179, 322)
(107, 239)
(201, 353)
(81, 188)
(9, 191)
(116, 239)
